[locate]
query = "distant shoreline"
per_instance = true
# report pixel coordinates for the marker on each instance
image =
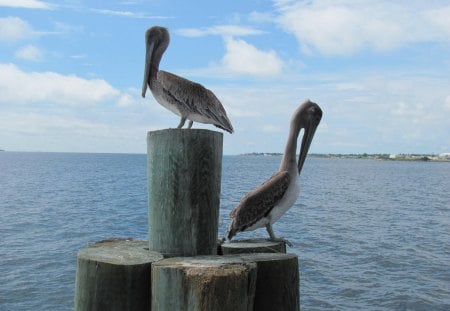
(366, 156)
(443, 157)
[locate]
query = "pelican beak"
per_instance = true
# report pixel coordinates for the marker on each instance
(147, 70)
(308, 135)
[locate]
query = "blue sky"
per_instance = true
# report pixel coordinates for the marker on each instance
(71, 72)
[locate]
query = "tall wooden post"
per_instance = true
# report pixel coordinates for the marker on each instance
(184, 172)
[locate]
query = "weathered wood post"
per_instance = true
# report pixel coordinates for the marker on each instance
(204, 283)
(253, 246)
(184, 172)
(114, 275)
(277, 281)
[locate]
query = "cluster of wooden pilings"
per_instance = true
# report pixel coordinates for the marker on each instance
(182, 266)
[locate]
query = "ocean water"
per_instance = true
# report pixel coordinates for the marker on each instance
(370, 235)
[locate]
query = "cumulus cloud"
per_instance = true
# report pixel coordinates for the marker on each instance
(55, 112)
(26, 4)
(241, 57)
(345, 27)
(29, 52)
(244, 58)
(17, 86)
(14, 29)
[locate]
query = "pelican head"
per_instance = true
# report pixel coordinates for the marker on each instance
(156, 41)
(306, 117)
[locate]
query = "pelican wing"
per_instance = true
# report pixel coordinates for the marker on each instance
(195, 98)
(259, 202)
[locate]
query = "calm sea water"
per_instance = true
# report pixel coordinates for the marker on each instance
(370, 235)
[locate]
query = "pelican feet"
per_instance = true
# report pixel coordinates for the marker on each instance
(181, 124)
(273, 238)
(183, 121)
(281, 240)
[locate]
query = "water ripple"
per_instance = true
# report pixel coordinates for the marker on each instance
(370, 235)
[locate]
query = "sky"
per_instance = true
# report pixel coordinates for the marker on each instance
(71, 72)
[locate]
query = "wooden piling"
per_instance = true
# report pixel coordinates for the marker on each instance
(278, 281)
(114, 275)
(203, 283)
(184, 172)
(253, 246)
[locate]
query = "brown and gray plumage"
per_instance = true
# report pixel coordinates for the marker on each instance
(264, 205)
(189, 100)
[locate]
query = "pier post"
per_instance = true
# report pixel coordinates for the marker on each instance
(253, 246)
(184, 172)
(204, 283)
(277, 281)
(114, 275)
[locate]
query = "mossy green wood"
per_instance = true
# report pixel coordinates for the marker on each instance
(114, 275)
(184, 172)
(278, 281)
(203, 283)
(253, 246)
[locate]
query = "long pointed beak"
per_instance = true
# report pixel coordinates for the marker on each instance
(306, 142)
(147, 70)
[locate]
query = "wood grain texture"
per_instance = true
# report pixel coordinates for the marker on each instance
(203, 283)
(253, 246)
(278, 281)
(114, 275)
(184, 174)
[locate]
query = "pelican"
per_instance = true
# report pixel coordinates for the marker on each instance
(185, 98)
(265, 204)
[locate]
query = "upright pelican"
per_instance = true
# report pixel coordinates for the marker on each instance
(264, 205)
(185, 98)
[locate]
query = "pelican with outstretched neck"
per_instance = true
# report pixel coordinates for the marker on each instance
(189, 100)
(265, 204)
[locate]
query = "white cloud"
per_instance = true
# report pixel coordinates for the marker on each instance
(269, 128)
(241, 58)
(126, 100)
(50, 131)
(397, 114)
(345, 27)
(17, 86)
(26, 4)
(244, 58)
(447, 103)
(221, 30)
(14, 29)
(258, 17)
(117, 13)
(29, 52)
(128, 14)
(441, 19)
(78, 56)
(49, 111)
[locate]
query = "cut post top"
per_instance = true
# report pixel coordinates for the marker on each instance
(176, 131)
(120, 252)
